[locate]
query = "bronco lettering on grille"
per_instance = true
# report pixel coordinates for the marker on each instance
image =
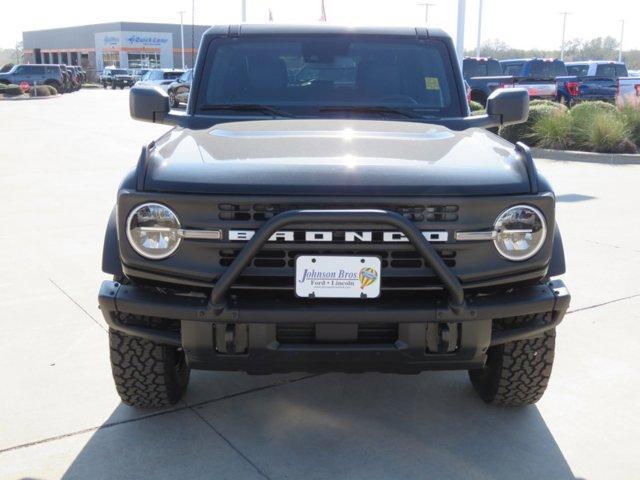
(328, 236)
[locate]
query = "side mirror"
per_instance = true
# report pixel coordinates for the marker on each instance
(509, 105)
(149, 104)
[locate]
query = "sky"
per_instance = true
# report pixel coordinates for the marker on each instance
(521, 24)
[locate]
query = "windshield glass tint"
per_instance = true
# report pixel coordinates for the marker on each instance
(119, 72)
(314, 72)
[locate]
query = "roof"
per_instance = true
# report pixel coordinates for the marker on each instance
(596, 62)
(323, 29)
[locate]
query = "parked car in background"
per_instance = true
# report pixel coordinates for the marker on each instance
(115, 78)
(634, 73)
(73, 78)
(35, 75)
(629, 91)
(82, 75)
(137, 74)
(178, 90)
(161, 77)
(536, 75)
(592, 80)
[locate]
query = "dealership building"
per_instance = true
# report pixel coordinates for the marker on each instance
(121, 44)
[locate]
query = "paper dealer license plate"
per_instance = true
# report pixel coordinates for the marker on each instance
(320, 276)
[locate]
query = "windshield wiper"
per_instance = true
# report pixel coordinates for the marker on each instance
(372, 109)
(247, 107)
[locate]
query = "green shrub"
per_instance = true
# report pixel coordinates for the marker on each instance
(523, 132)
(608, 133)
(91, 85)
(631, 117)
(475, 106)
(553, 131)
(52, 90)
(583, 116)
(549, 103)
(476, 113)
(40, 91)
(10, 90)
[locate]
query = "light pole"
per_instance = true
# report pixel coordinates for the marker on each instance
(181, 13)
(462, 8)
(244, 11)
(193, 33)
(426, 11)
(621, 39)
(479, 30)
(564, 30)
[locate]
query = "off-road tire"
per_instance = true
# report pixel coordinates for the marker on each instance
(147, 374)
(517, 373)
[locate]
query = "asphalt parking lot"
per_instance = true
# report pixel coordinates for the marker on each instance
(60, 417)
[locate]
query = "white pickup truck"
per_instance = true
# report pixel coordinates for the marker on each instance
(629, 91)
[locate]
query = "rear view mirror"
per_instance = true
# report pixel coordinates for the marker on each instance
(149, 104)
(509, 105)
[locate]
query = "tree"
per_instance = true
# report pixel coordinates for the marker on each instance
(600, 48)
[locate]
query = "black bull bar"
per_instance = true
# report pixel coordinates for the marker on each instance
(262, 236)
(551, 297)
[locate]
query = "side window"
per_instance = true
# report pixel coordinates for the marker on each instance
(621, 71)
(30, 70)
(578, 70)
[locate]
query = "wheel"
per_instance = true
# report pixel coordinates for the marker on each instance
(54, 84)
(517, 373)
(147, 374)
(113, 86)
(104, 84)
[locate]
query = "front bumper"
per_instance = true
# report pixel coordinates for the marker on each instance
(449, 330)
(243, 335)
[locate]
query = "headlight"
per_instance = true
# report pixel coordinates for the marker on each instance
(153, 231)
(520, 232)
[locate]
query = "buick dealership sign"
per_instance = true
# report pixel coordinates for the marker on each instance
(126, 43)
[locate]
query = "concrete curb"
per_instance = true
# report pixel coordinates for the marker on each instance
(589, 157)
(17, 98)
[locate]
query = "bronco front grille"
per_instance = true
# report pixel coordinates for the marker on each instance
(262, 211)
(286, 258)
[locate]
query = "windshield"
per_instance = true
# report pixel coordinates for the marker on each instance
(118, 72)
(172, 75)
(311, 73)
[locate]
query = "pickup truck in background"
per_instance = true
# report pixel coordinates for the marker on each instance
(595, 80)
(536, 75)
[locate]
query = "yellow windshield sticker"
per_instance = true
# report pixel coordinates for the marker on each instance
(431, 83)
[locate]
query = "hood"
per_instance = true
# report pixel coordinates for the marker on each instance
(335, 157)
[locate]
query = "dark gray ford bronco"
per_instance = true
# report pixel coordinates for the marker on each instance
(354, 218)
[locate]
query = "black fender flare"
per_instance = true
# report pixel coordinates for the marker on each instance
(110, 251)
(557, 264)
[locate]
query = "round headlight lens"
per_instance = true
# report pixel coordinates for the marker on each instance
(153, 231)
(520, 232)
